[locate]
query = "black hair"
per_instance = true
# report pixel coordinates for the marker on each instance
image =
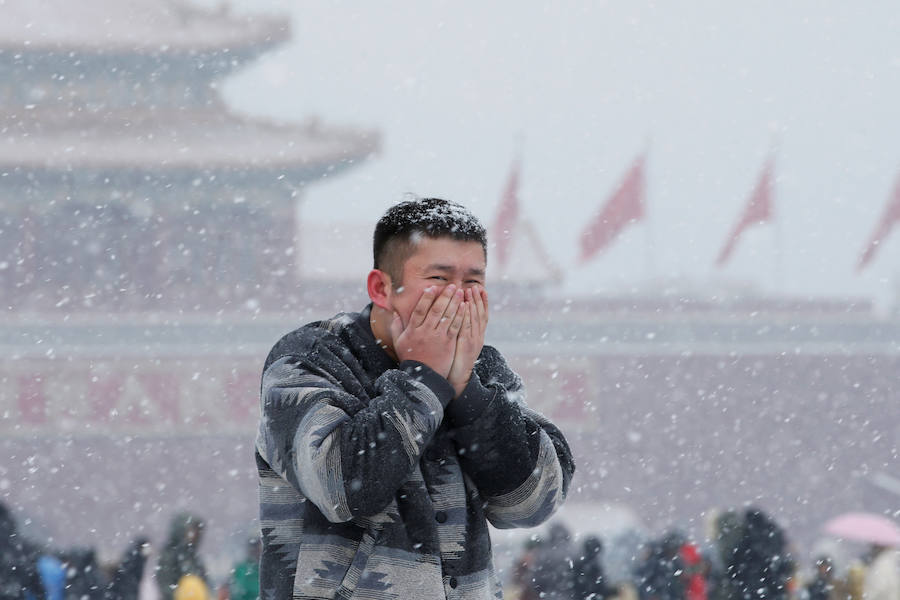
(395, 232)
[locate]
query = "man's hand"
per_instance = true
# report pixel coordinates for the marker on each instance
(470, 339)
(431, 334)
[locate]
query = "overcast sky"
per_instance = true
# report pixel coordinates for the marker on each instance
(708, 88)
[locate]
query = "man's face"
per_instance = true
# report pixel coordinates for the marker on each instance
(437, 262)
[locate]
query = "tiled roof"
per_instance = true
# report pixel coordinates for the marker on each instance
(208, 139)
(145, 26)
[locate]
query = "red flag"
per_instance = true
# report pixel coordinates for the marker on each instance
(507, 216)
(758, 210)
(891, 215)
(625, 206)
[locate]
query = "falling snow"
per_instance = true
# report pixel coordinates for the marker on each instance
(182, 183)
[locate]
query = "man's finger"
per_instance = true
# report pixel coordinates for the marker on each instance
(436, 312)
(459, 319)
(465, 328)
(473, 323)
(469, 321)
(452, 309)
(480, 306)
(420, 312)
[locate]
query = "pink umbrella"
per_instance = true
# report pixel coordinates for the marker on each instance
(865, 527)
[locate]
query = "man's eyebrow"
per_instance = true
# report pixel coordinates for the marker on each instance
(450, 269)
(438, 267)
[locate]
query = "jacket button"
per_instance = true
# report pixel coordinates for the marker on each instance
(453, 582)
(440, 516)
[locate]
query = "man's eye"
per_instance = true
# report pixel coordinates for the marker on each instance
(438, 277)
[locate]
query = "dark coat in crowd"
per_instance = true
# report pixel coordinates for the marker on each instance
(722, 582)
(126, 581)
(762, 565)
(590, 580)
(822, 586)
(84, 580)
(179, 557)
(554, 575)
(659, 575)
(820, 589)
(19, 577)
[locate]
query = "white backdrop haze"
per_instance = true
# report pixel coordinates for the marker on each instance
(579, 89)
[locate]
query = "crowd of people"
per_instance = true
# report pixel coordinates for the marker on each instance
(749, 559)
(30, 570)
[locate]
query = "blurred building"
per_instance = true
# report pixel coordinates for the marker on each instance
(125, 178)
(134, 201)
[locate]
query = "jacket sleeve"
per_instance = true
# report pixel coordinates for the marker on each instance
(345, 452)
(519, 461)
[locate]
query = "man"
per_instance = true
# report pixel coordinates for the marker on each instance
(389, 438)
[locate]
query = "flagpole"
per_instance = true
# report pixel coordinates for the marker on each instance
(649, 256)
(778, 216)
(779, 255)
(519, 143)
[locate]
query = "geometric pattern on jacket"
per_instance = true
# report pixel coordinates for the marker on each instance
(374, 483)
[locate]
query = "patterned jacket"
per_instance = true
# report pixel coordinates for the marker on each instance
(375, 483)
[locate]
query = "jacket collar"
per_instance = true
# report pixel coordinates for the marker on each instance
(362, 324)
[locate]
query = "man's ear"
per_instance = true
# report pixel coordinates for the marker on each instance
(378, 285)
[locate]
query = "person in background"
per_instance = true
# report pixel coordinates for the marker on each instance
(659, 574)
(84, 577)
(191, 587)
(822, 585)
(180, 555)
(590, 579)
(726, 534)
(695, 572)
(763, 565)
(850, 586)
(125, 582)
(53, 576)
(882, 581)
(244, 581)
(19, 577)
(523, 572)
(554, 574)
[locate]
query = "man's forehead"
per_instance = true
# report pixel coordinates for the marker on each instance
(447, 253)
